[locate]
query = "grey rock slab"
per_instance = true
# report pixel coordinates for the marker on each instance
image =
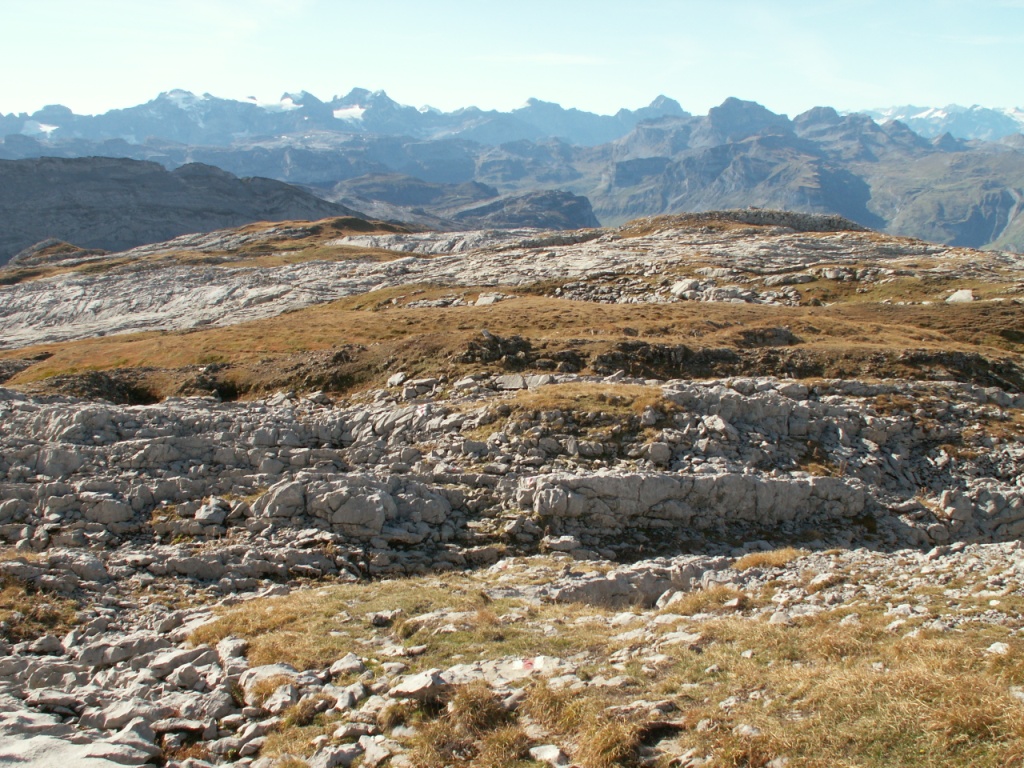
(45, 698)
(120, 713)
(962, 296)
(166, 662)
(255, 675)
(107, 653)
(331, 757)
(425, 686)
(282, 698)
(50, 752)
(510, 381)
(550, 754)
(348, 664)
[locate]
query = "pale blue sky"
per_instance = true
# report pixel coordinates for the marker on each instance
(599, 55)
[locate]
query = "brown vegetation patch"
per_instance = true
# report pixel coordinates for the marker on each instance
(359, 341)
(27, 613)
(774, 559)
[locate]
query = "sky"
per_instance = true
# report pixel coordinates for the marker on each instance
(597, 55)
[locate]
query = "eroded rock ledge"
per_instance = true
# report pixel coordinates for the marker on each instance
(440, 471)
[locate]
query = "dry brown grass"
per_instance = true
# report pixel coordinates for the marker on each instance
(396, 712)
(819, 693)
(705, 222)
(555, 710)
(476, 731)
(305, 241)
(822, 694)
(607, 743)
(295, 741)
(29, 613)
(774, 559)
(473, 730)
(304, 712)
(504, 747)
(476, 710)
(439, 743)
(602, 741)
(290, 762)
(312, 629)
(298, 628)
(377, 338)
(708, 600)
(264, 689)
(616, 399)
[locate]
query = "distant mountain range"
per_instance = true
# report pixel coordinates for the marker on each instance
(182, 117)
(959, 122)
(366, 151)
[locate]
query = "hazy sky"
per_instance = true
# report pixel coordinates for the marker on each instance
(599, 55)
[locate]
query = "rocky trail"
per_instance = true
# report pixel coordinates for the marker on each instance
(517, 556)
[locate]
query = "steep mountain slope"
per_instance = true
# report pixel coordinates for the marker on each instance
(115, 204)
(457, 206)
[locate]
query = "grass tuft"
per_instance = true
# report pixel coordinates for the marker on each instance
(608, 743)
(503, 747)
(303, 713)
(476, 709)
(774, 559)
(264, 689)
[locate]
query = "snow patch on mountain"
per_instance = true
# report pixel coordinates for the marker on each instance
(974, 122)
(35, 128)
(285, 104)
(349, 113)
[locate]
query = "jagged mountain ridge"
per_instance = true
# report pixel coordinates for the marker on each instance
(884, 176)
(181, 116)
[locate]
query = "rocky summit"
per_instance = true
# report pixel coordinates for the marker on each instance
(736, 488)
